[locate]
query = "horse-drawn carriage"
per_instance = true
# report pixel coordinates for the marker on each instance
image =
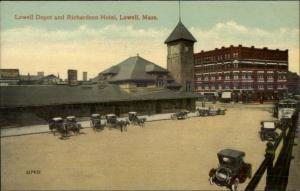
(135, 120)
(95, 122)
(180, 115)
(57, 124)
(112, 121)
(72, 125)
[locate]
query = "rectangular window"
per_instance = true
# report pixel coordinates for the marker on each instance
(270, 86)
(227, 86)
(235, 86)
(250, 86)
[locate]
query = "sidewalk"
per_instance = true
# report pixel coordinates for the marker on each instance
(36, 129)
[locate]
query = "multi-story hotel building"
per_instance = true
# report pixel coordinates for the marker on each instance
(248, 72)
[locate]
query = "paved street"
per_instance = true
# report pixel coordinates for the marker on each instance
(35, 129)
(165, 154)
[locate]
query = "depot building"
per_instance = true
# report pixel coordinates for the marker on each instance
(134, 84)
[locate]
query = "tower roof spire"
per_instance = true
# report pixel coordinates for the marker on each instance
(180, 32)
(179, 10)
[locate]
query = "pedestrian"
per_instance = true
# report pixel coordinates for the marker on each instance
(261, 100)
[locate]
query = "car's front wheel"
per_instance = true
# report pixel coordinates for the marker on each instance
(211, 180)
(235, 184)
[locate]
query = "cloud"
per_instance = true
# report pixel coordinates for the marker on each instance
(94, 49)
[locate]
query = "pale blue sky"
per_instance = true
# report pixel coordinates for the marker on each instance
(92, 46)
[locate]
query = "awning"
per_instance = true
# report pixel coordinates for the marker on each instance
(226, 95)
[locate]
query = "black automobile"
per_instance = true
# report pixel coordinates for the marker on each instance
(180, 115)
(232, 169)
(268, 131)
(95, 121)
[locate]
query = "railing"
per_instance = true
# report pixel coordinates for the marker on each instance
(277, 175)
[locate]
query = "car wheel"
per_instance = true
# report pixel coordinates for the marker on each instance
(211, 182)
(249, 171)
(235, 185)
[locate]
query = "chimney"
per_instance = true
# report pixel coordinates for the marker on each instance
(72, 77)
(40, 74)
(84, 76)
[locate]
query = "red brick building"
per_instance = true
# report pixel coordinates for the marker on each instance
(248, 72)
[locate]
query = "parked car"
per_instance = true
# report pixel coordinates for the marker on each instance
(95, 121)
(213, 111)
(57, 124)
(180, 115)
(221, 111)
(203, 111)
(72, 125)
(268, 131)
(232, 169)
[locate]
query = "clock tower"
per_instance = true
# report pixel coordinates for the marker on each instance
(180, 56)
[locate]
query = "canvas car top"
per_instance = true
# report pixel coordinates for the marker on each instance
(288, 101)
(57, 119)
(231, 153)
(95, 115)
(269, 124)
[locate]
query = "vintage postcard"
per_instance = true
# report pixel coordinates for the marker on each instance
(149, 95)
